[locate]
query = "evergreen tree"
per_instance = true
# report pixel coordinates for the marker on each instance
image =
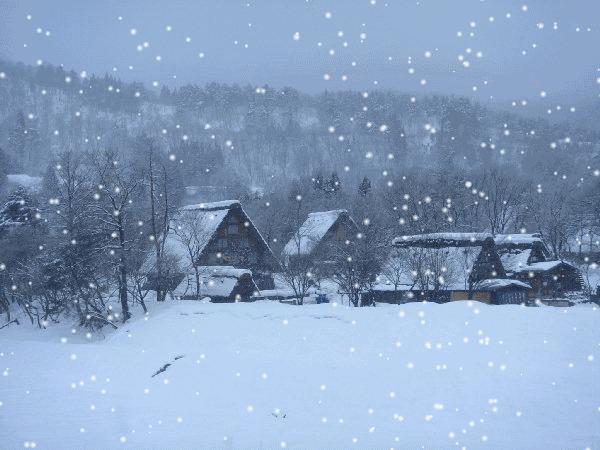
(17, 138)
(318, 182)
(335, 185)
(20, 209)
(364, 187)
(23, 142)
(4, 168)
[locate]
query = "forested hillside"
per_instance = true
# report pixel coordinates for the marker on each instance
(227, 134)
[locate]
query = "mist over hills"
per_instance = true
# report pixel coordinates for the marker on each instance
(256, 136)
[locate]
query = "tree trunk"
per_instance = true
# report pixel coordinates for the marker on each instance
(197, 274)
(123, 273)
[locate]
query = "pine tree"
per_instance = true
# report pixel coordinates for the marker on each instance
(23, 142)
(4, 167)
(335, 185)
(17, 138)
(20, 209)
(364, 187)
(318, 183)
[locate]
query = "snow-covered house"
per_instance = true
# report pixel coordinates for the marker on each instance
(16, 180)
(318, 234)
(445, 267)
(221, 284)
(525, 257)
(217, 234)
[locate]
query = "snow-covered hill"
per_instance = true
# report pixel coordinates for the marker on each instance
(267, 375)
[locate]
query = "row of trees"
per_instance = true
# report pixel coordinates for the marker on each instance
(495, 201)
(84, 237)
(266, 134)
(98, 215)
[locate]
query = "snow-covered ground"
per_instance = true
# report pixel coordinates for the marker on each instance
(267, 375)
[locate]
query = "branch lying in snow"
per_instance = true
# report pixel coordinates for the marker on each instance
(166, 366)
(103, 319)
(8, 323)
(161, 370)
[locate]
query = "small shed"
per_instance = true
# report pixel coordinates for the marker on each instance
(222, 284)
(550, 279)
(504, 291)
(526, 258)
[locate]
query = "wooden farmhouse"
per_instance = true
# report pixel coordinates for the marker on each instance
(320, 233)
(212, 235)
(525, 257)
(443, 267)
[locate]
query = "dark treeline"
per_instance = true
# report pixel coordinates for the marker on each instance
(262, 134)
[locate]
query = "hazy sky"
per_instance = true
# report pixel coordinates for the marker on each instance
(254, 42)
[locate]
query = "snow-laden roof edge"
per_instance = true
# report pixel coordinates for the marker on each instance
(500, 240)
(493, 284)
(223, 271)
(24, 180)
(449, 239)
(311, 232)
(212, 206)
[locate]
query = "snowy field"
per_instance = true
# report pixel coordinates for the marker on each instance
(268, 376)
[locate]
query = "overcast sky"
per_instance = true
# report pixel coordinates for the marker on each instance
(517, 48)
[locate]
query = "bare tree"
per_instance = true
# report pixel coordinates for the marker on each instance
(79, 243)
(162, 187)
(117, 182)
(193, 234)
(299, 258)
(551, 213)
(356, 263)
(501, 196)
(396, 269)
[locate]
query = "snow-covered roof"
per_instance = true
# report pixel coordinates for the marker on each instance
(515, 261)
(205, 219)
(215, 281)
(517, 239)
(202, 221)
(452, 264)
(311, 232)
(24, 180)
(468, 239)
(494, 284)
(544, 266)
(445, 239)
(212, 206)
(388, 287)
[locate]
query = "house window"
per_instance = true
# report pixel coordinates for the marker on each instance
(221, 243)
(232, 228)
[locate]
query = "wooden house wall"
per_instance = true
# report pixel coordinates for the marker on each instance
(393, 297)
(544, 284)
(399, 297)
(510, 296)
(342, 230)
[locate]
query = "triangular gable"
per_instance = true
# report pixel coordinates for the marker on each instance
(313, 231)
(206, 218)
